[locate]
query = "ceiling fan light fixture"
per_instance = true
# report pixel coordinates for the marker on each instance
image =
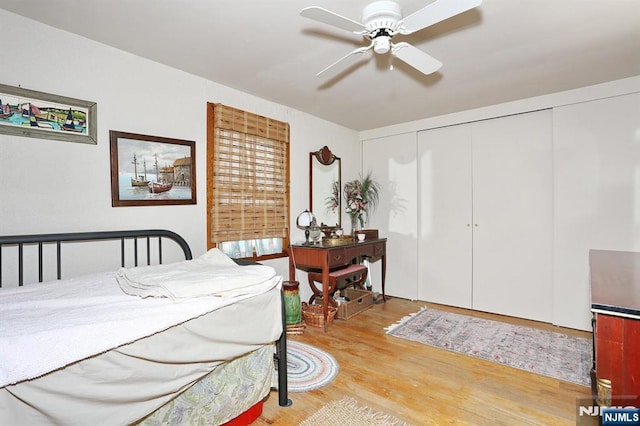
(382, 44)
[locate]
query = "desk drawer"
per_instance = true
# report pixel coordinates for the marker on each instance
(337, 257)
(358, 251)
(378, 249)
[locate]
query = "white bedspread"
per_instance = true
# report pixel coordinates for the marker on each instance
(212, 274)
(44, 327)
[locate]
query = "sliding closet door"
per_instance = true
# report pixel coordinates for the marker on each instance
(392, 161)
(512, 215)
(445, 216)
(597, 195)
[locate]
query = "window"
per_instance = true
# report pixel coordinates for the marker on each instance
(247, 182)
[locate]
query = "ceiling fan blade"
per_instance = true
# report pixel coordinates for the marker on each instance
(343, 63)
(416, 58)
(327, 17)
(435, 12)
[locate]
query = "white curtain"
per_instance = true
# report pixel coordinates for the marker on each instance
(237, 249)
(245, 248)
(268, 246)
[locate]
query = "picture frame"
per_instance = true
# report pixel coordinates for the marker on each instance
(151, 170)
(34, 114)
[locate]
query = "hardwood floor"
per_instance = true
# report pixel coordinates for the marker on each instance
(424, 385)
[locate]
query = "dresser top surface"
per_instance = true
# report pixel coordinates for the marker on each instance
(341, 245)
(615, 281)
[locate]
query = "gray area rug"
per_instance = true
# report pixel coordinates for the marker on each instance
(548, 353)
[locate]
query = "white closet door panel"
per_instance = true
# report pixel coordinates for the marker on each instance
(392, 161)
(597, 195)
(445, 216)
(512, 208)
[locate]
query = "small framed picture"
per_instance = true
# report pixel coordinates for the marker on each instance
(34, 114)
(151, 170)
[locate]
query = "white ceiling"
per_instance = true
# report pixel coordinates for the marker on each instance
(502, 51)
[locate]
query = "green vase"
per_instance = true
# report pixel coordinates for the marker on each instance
(292, 305)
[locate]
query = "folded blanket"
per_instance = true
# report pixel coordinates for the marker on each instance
(49, 325)
(212, 274)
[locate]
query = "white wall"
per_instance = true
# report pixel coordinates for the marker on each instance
(54, 186)
(569, 97)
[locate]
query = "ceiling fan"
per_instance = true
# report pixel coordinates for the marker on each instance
(381, 21)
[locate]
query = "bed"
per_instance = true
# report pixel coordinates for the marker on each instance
(95, 349)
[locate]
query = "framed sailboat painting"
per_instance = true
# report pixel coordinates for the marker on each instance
(25, 112)
(151, 170)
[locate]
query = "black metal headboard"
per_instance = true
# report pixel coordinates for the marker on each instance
(41, 239)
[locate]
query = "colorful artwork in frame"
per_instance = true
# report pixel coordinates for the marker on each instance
(151, 170)
(34, 114)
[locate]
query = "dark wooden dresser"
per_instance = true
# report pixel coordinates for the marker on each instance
(615, 304)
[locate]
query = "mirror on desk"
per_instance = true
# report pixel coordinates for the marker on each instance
(325, 181)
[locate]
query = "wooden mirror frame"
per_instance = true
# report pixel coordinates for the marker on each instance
(325, 157)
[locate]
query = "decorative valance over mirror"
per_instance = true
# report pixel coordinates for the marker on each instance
(325, 181)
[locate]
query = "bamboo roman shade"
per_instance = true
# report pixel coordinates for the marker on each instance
(249, 176)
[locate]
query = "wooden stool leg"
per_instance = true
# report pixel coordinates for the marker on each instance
(333, 284)
(360, 283)
(357, 281)
(317, 292)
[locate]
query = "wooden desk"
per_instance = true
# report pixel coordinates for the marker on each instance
(316, 257)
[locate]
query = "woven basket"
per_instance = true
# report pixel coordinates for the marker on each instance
(313, 316)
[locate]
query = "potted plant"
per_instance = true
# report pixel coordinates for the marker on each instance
(361, 196)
